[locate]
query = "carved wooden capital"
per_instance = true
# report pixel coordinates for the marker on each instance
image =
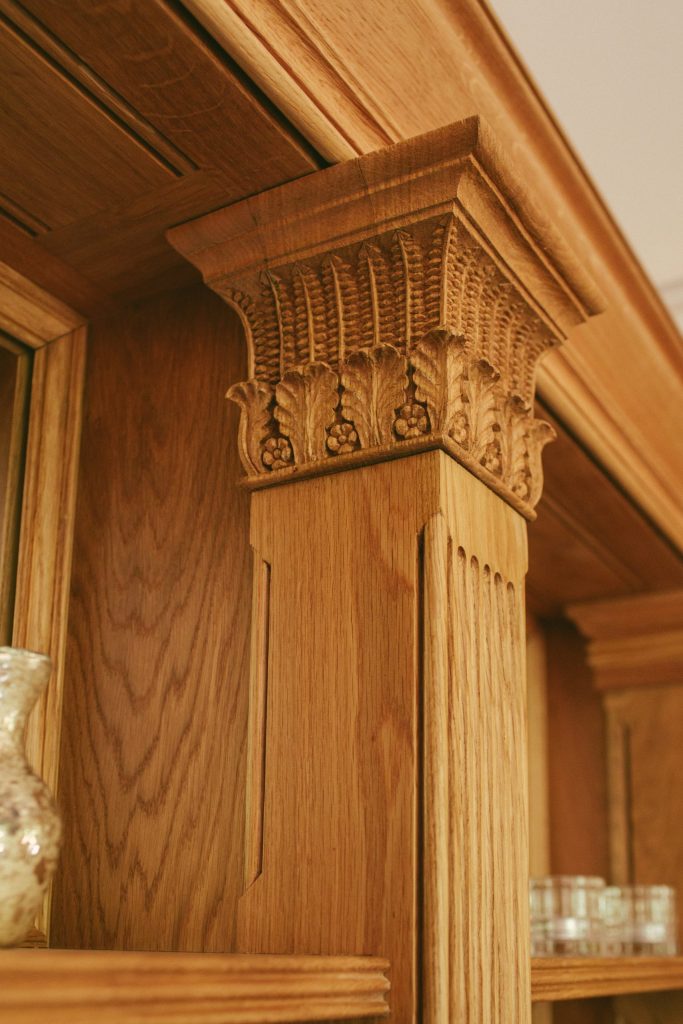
(392, 304)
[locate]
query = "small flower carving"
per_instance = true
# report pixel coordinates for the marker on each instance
(491, 459)
(277, 453)
(412, 420)
(459, 428)
(521, 486)
(342, 439)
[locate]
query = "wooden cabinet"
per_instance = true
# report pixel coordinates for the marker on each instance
(287, 725)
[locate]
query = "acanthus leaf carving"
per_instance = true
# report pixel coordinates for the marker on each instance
(306, 400)
(254, 398)
(438, 363)
(514, 421)
(480, 396)
(538, 434)
(374, 381)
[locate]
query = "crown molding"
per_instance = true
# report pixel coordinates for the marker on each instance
(633, 641)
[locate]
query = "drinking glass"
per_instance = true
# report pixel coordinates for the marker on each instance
(566, 915)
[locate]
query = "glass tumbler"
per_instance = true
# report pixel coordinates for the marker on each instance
(650, 928)
(566, 915)
(615, 921)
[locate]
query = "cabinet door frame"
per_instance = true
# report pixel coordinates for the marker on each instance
(57, 335)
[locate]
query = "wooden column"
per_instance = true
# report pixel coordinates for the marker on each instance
(394, 309)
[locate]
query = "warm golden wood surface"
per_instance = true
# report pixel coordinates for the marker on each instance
(46, 537)
(418, 65)
(656, 1008)
(79, 987)
(559, 978)
(152, 756)
(41, 599)
(590, 547)
(645, 799)
(634, 641)
(29, 313)
(537, 717)
(346, 822)
(165, 126)
(577, 758)
(15, 380)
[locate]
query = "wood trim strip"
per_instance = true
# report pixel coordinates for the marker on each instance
(46, 539)
(256, 727)
(436, 645)
(31, 314)
(587, 977)
(10, 517)
(78, 986)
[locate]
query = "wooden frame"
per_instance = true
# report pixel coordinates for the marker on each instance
(41, 602)
(13, 460)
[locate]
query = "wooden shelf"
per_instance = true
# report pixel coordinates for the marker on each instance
(555, 978)
(81, 986)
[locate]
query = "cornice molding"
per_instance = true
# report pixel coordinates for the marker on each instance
(634, 641)
(390, 304)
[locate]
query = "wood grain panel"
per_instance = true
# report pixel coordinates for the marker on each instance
(137, 259)
(340, 843)
(155, 59)
(45, 168)
(662, 1008)
(152, 763)
(646, 800)
(577, 758)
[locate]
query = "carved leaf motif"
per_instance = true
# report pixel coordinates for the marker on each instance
(480, 393)
(253, 398)
(538, 434)
(306, 400)
(514, 421)
(438, 364)
(374, 382)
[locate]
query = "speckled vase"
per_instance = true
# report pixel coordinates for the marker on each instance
(30, 828)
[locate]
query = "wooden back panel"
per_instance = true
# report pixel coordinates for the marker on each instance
(152, 784)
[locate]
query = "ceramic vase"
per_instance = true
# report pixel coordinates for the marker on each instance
(30, 828)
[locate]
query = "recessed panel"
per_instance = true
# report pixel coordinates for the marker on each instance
(64, 156)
